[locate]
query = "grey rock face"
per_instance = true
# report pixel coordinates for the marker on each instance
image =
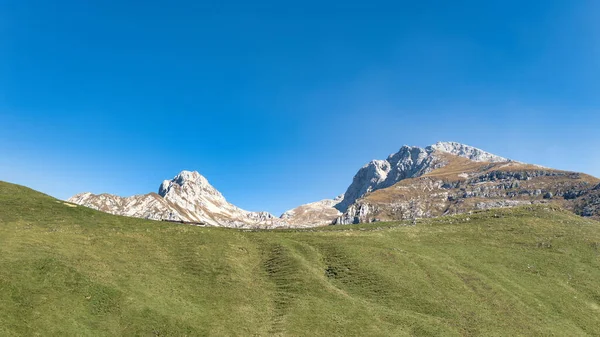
(409, 162)
(429, 196)
(369, 178)
(589, 203)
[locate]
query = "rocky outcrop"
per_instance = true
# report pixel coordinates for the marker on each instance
(187, 197)
(409, 162)
(588, 204)
(480, 187)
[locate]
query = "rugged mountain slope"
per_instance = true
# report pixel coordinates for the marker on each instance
(444, 178)
(196, 198)
(588, 204)
(187, 197)
(314, 214)
(463, 185)
(149, 206)
(74, 271)
(409, 162)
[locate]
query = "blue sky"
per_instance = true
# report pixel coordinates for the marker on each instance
(280, 103)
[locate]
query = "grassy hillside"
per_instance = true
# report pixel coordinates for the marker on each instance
(72, 271)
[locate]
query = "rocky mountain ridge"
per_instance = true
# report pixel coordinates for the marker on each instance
(463, 186)
(188, 197)
(409, 162)
(444, 178)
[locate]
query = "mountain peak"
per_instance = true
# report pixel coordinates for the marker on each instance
(466, 151)
(184, 178)
(190, 176)
(408, 162)
(187, 180)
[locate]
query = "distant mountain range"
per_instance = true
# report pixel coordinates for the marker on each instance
(444, 178)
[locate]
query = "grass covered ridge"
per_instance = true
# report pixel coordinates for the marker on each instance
(73, 271)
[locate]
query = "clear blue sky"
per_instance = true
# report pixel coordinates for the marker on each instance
(280, 103)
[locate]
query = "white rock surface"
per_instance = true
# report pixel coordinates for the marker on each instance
(187, 197)
(148, 206)
(466, 151)
(314, 214)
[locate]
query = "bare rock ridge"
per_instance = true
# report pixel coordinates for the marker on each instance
(444, 178)
(409, 162)
(466, 151)
(187, 197)
(463, 185)
(150, 206)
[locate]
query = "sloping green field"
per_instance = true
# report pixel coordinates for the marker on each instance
(72, 271)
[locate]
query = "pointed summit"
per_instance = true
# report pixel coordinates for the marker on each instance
(187, 197)
(188, 176)
(185, 178)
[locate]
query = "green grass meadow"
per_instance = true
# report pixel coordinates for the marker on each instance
(73, 271)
